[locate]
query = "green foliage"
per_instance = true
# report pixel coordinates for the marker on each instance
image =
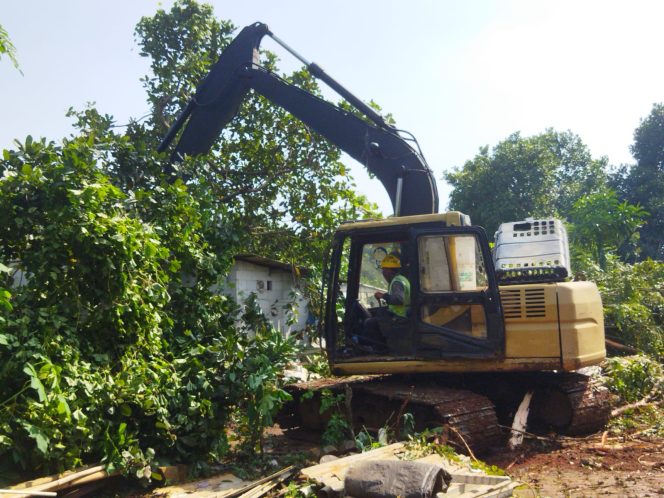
(643, 182)
(542, 175)
(647, 419)
(317, 364)
(280, 187)
(115, 348)
(601, 223)
(7, 47)
(365, 441)
(428, 442)
(338, 428)
(633, 301)
(634, 378)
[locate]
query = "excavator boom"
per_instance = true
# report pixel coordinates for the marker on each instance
(401, 169)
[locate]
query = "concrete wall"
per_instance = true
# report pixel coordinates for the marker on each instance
(272, 287)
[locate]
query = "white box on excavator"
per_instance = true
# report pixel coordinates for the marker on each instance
(532, 250)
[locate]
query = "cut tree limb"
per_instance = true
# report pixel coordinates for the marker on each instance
(642, 402)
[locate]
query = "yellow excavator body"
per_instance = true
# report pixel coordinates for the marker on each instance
(549, 326)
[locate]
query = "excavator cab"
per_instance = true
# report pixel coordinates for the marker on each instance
(452, 307)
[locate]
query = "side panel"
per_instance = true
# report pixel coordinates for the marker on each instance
(581, 324)
(531, 321)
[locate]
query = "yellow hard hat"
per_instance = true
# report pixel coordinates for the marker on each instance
(390, 261)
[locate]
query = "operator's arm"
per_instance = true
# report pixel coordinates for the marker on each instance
(397, 296)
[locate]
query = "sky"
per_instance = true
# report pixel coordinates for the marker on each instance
(457, 74)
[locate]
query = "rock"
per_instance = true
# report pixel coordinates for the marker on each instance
(328, 458)
(330, 448)
(347, 446)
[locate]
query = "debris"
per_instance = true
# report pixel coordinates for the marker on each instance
(14, 492)
(394, 478)
(59, 482)
(332, 474)
(226, 486)
(642, 402)
(520, 421)
(174, 473)
(347, 445)
(466, 481)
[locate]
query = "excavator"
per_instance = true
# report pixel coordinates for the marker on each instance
(481, 329)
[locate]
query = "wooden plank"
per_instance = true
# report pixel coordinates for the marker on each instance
(65, 480)
(226, 486)
(274, 477)
(24, 492)
(34, 483)
(204, 488)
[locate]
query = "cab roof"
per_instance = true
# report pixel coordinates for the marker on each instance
(450, 218)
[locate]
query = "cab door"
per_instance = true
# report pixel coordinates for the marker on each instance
(456, 306)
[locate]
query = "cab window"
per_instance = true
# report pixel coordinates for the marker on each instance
(452, 264)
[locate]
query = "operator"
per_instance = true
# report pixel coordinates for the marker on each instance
(398, 303)
(397, 296)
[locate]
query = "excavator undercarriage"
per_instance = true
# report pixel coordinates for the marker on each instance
(475, 410)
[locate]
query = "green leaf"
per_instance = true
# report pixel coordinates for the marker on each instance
(35, 383)
(63, 406)
(38, 435)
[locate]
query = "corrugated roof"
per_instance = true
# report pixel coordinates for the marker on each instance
(271, 263)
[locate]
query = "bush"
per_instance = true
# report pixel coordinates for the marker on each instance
(114, 348)
(633, 301)
(633, 378)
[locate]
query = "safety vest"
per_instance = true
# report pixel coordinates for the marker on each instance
(400, 309)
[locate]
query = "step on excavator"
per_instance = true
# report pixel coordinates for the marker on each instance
(421, 315)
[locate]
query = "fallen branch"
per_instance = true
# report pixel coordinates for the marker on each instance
(642, 402)
(395, 426)
(531, 435)
(470, 452)
(621, 347)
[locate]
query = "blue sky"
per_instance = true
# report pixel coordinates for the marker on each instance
(458, 75)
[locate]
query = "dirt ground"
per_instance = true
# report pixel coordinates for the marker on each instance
(571, 467)
(587, 468)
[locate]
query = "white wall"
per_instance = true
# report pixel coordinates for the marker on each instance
(246, 277)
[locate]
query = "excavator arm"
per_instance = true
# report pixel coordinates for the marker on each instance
(378, 146)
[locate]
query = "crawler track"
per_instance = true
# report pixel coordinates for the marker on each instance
(471, 405)
(573, 404)
(378, 401)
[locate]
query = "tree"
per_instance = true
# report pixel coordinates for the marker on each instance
(108, 352)
(281, 186)
(542, 175)
(601, 223)
(643, 183)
